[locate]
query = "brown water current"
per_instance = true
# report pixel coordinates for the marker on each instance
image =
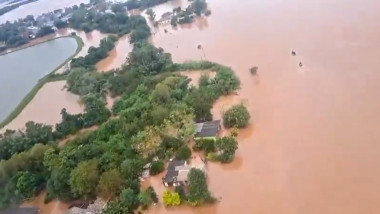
(312, 143)
(117, 56)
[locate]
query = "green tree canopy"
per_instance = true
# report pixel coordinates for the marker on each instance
(26, 184)
(148, 59)
(84, 178)
(129, 198)
(226, 147)
(131, 168)
(198, 190)
(237, 115)
(157, 167)
(151, 14)
(110, 183)
(147, 142)
(183, 153)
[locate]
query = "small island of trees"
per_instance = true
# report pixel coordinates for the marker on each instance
(237, 116)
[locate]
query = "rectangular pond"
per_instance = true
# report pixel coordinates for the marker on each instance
(21, 70)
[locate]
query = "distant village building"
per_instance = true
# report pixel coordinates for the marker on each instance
(66, 18)
(21, 210)
(178, 171)
(109, 11)
(208, 130)
(49, 23)
(165, 18)
(32, 31)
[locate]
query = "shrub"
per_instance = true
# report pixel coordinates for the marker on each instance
(145, 199)
(153, 194)
(207, 145)
(171, 198)
(131, 168)
(183, 153)
(234, 131)
(174, 21)
(181, 191)
(212, 156)
(157, 167)
(198, 190)
(237, 115)
(226, 147)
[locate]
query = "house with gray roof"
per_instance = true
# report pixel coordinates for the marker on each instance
(178, 171)
(209, 130)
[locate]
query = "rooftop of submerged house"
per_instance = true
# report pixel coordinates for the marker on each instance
(207, 129)
(179, 169)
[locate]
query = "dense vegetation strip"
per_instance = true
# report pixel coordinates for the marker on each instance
(155, 118)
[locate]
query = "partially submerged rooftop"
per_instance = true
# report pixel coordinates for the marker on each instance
(178, 171)
(172, 173)
(207, 129)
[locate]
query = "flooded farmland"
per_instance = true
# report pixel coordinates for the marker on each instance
(311, 146)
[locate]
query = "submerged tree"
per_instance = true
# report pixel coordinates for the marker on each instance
(110, 183)
(253, 70)
(199, 6)
(198, 190)
(237, 116)
(171, 198)
(147, 142)
(84, 178)
(226, 148)
(151, 14)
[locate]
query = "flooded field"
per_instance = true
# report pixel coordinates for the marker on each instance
(117, 56)
(46, 106)
(311, 146)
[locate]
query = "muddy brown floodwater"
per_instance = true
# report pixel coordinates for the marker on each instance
(312, 146)
(46, 106)
(117, 56)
